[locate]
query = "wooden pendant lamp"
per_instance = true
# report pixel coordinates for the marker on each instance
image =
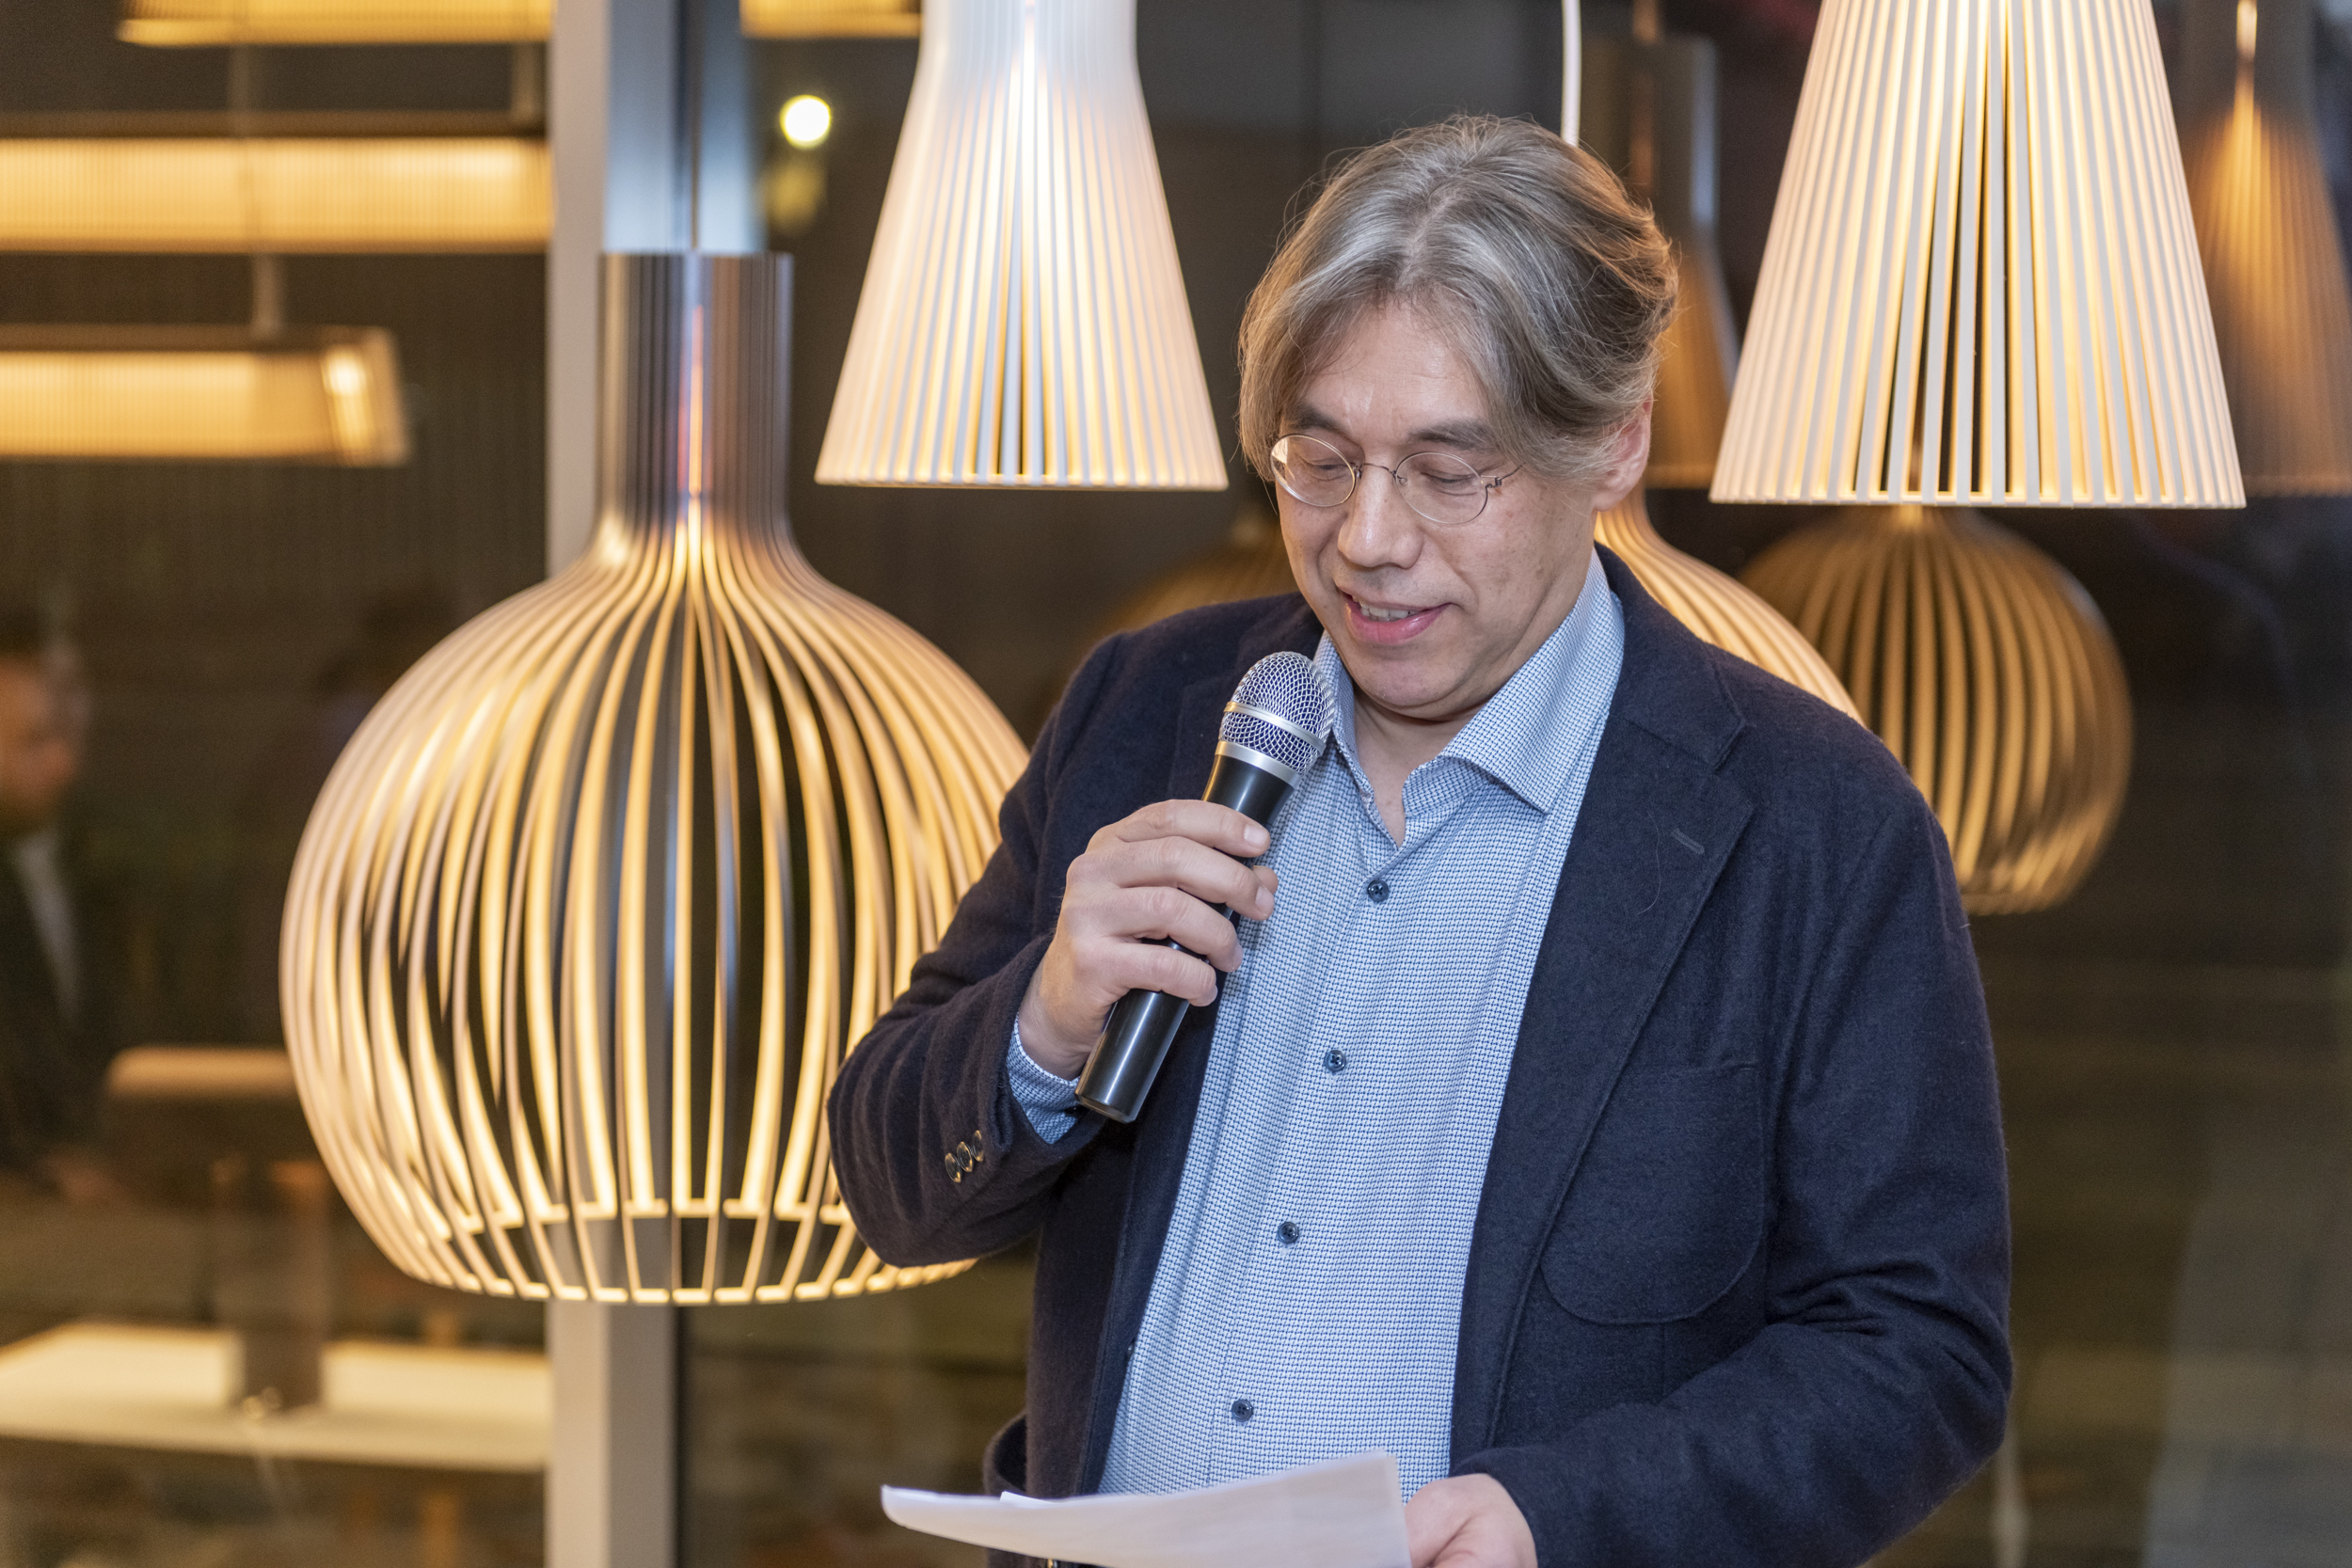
(596, 898)
(1980, 289)
(1024, 322)
(2274, 261)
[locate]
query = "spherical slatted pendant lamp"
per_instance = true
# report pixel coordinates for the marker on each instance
(1715, 606)
(596, 899)
(2274, 261)
(1988, 671)
(1023, 319)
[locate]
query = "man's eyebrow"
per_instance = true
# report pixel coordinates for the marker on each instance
(1462, 435)
(1467, 434)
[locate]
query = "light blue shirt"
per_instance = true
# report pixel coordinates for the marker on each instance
(1309, 1296)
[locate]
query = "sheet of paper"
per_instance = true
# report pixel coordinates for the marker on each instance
(1342, 1513)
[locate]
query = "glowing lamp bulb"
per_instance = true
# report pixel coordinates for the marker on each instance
(2247, 24)
(806, 120)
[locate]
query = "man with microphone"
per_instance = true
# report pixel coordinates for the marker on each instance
(1589, 1100)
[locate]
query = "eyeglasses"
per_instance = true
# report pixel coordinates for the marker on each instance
(1437, 485)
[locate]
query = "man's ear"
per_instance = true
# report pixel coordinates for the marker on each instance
(1628, 457)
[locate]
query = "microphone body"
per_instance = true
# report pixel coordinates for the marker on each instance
(1143, 1025)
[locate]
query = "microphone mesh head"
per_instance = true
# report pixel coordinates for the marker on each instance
(1290, 685)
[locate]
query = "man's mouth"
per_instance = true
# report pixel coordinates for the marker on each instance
(1378, 622)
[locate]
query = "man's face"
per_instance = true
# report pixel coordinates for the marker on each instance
(38, 755)
(1431, 619)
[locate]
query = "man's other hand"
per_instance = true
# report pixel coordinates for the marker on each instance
(1157, 874)
(1468, 1522)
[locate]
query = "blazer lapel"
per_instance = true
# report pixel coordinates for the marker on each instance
(1655, 829)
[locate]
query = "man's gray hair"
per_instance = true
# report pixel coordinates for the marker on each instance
(1525, 251)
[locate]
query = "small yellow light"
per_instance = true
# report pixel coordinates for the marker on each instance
(806, 120)
(345, 376)
(2247, 24)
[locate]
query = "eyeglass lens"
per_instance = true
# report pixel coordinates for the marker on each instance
(1439, 485)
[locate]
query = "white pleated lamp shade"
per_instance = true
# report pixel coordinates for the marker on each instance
(2274, 261)
(1981, 286)
(599, 896)
(1023, 319)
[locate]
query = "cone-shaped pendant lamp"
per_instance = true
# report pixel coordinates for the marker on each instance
(1715, 606)
(1981, 286)
(2273, 258)
(1702, 348)
(1249, 564)
(1648, 105)
(1023, 319)
(1987, 670)
(598, 896)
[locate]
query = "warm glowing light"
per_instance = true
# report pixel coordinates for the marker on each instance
(599, 896)
(2274, 259)
(322, 395)
(2249, 25)
(1023, 319)
(1714, 606)
(806, 120)
(274, 193)
(831, 19)
(173, 23)
(1986, 671)
(1982, 285)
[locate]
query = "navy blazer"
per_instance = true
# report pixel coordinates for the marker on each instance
(1736, 1291)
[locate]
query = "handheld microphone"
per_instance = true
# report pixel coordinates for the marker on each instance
(1273, 730)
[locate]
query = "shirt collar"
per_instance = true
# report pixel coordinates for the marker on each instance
(1528, 736)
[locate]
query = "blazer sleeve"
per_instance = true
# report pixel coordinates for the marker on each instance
(1881, 1380)
(935, 1160)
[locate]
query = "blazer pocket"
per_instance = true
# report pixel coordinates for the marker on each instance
(1668, 1209)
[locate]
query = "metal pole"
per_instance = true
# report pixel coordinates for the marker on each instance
(636, 129)
(613, 1462)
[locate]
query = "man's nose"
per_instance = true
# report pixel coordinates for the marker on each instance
(1379, 529)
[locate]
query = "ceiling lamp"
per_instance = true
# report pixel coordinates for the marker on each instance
(600, 893)
(1988, 671)
(172, 23)
(1981, 286)
(1648, 109)
(1023, 321)
(1251, 564)
(1715, 606)
(200, 393)
(1980, 289)
(833, 19)
(1701, 356)
(276, 194)
(2274, 261)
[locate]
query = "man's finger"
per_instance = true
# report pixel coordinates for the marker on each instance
(1220, 827)
(1209, 876)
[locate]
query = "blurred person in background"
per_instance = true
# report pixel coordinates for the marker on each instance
(55, 1007)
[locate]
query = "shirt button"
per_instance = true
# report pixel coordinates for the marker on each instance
(1286, 1233)
(1377, 890)
(1335, 1060)
(1243, 1410)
